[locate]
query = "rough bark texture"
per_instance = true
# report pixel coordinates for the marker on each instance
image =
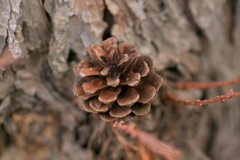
(188, 39)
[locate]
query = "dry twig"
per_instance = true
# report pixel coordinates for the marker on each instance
(230, 94)
(186, 85)
(149, 141)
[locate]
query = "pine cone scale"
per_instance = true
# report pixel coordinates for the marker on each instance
(140, 108)
(131, 79)
(128, 98)
(110, 46)
(95, 58)
(94, 85)
(123, 60)
(119, 111)
(106, 117)
(98, 107)
(153, 79)
(90, 71)
(109, 95)
(82, 64)
(86, 107)
(146, 92)
(113, 81)
(79, 91)
(141, 67)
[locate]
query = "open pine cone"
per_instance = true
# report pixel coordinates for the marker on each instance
(117, 82)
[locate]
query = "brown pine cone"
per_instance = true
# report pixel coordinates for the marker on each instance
(117, 82)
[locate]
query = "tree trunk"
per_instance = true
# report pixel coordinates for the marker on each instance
(190, 40)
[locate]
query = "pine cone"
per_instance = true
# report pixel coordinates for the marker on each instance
(117, 82)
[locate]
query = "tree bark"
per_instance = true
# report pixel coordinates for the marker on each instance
(189, 40)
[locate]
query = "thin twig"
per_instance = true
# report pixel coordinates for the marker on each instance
(230, 94)
(144, 153)
(186, 85)
(148, 140)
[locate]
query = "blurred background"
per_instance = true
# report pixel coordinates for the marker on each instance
(189, 40)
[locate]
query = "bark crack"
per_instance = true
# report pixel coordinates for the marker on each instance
(109, 19)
